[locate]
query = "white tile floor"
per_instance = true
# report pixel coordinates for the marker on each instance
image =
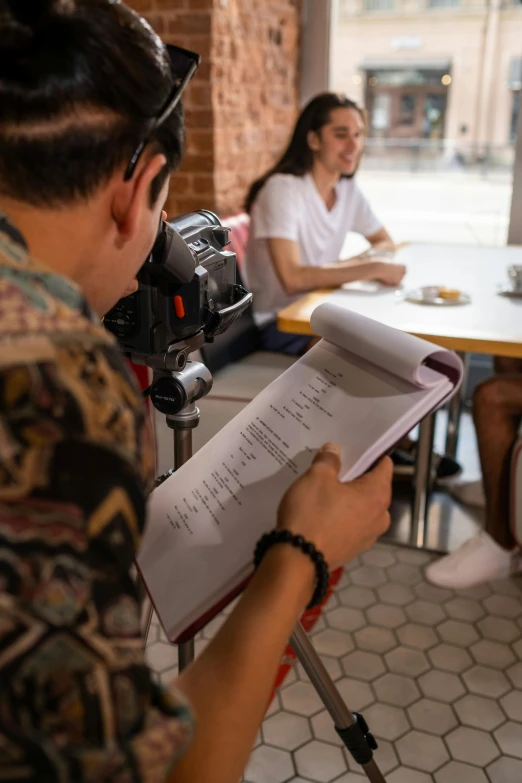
(437, 674)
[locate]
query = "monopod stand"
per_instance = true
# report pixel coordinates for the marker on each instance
(351, 727)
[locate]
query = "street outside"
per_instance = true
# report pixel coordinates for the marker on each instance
(453, 207)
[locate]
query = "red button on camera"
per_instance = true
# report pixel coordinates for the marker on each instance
(179, 307)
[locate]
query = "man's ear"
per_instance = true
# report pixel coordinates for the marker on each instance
(313, 141)
(131, 198)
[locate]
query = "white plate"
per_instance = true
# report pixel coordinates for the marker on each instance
(427, 295)
(507, 290)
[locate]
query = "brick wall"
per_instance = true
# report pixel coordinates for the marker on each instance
(242, 104)
(255, 53)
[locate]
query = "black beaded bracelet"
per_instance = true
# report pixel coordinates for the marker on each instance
(286, 537)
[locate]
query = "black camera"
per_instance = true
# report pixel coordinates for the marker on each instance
(187, 293)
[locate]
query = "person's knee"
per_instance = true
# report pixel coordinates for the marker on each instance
(500, 391)
(487, 395)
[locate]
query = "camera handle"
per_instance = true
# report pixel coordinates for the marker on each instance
(196, 381)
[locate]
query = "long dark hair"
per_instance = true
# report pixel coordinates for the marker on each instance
(298, 158)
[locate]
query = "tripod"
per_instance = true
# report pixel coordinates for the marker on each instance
(179, 390)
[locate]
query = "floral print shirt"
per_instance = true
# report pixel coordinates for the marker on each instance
(77, 702)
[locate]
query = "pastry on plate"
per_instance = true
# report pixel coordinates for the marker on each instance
(449, 293)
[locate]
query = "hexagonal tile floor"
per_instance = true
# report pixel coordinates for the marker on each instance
(437, 674)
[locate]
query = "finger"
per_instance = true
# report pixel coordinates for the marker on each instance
(382, 472)
(329, 455)
(164, 215)
(377, 482)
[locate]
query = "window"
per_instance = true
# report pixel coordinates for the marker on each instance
(431, 137)
(380, 114)
(443, 3)
(515, 111)
(407, 106)
(381, 5)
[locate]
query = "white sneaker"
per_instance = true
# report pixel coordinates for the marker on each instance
(470, 493)
(479, 560)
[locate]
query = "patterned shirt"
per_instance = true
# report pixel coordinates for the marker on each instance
(77, 702)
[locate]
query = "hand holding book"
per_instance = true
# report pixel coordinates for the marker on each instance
(341, 520)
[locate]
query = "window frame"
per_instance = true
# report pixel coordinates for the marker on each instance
(515, 222)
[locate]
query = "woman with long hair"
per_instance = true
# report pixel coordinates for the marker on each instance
(298, 158)
(301, 210)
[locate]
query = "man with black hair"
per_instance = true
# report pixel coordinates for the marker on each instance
(90, 128)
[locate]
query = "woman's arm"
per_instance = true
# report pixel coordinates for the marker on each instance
(296, 278)
(381, 240)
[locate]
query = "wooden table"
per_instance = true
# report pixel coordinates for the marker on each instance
(490, 324)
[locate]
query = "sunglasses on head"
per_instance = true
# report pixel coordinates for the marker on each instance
(184, 65)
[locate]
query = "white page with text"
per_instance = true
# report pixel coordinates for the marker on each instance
(204, 521)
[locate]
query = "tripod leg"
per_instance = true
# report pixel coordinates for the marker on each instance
(146, 617)
(146, 610)
(186, 650)
(186, 654)
(351, 728)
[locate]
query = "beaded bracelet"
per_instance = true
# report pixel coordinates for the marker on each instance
(286, 537)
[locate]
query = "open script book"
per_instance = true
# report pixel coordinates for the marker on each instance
(364, 386)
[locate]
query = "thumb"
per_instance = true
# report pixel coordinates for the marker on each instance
(330, 456)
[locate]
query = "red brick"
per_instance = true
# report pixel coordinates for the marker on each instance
(203, 184)
(170, 5)
(199, 118)
(198, 164)
(204, 72)
(175, 206)
(190, 24)
(157, 22)
(182, 182)
(201, 5)
(199, 95)
(242, 104)
(140, 5)
(196, 43)
(200, 142)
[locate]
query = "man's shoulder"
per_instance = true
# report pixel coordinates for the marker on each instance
(40, 308)
(51, 348)
(60, 383)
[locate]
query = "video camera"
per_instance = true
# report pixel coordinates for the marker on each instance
(187, 294)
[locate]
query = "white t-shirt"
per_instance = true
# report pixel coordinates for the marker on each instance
(290, 207)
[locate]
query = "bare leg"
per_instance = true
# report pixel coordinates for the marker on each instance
(497, 412)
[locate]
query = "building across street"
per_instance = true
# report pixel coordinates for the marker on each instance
(433, 73)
